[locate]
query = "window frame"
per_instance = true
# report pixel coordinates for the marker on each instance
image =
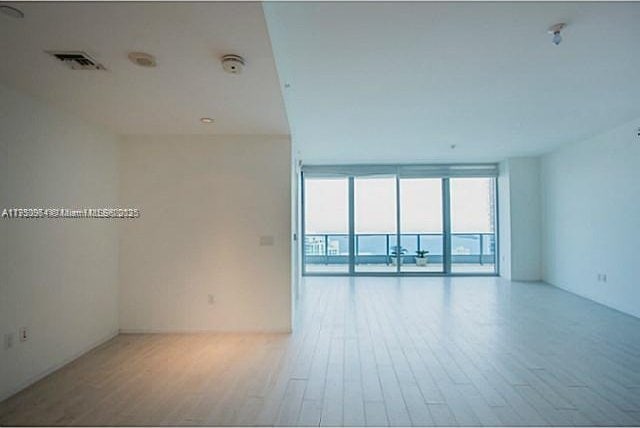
(442, 171)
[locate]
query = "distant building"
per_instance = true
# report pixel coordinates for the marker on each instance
(314, 246)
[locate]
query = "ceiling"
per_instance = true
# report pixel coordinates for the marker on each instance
(188, 83)
(367, 82)
(386, 82)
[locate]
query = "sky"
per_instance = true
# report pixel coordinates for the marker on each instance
(326, 205)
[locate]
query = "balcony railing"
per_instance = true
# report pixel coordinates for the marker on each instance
(371, 248)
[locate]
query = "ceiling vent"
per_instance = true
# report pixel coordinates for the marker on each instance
(76, 60)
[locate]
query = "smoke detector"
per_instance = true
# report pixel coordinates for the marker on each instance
(77, 60)
(232, 64)
(142, 59)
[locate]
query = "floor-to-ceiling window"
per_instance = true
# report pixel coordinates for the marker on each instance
(375, 224)
(326, 221)
(400, 220)
(422, 232)
(473, 231)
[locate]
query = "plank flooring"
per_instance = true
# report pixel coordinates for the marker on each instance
(367, 351)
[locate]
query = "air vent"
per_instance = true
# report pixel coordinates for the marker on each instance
(77, 60)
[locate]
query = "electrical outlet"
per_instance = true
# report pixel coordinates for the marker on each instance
(8, 340)
(211, 299)
(24, 334)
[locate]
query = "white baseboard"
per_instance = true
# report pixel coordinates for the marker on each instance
(592, 299)
(57, 366)
(200, 331)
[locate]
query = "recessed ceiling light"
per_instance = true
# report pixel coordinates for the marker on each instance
(206, 120)
(11, 11)
(142, 59)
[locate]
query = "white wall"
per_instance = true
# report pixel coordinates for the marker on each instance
(205, 202)
(58, 278)
(519, 216)
(525, 219)
(591, 218)
(296, 268)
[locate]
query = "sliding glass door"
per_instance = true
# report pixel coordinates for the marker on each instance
(326, 225)
(375, 224)
(400, 220)
(473, 219)
(422, 233)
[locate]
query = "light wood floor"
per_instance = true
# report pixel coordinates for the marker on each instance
(367, 351)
